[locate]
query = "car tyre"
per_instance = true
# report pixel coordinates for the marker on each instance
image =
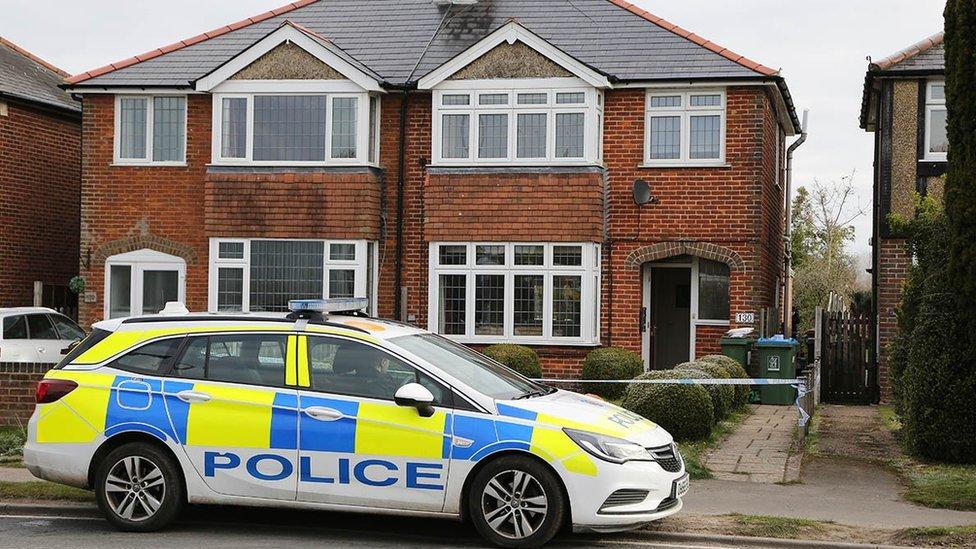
(517, 502)
(139, 488)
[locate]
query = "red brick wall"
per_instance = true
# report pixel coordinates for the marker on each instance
(18, 381)
(154, 202)
(306, 204)
(728, 206)
(40, 178)
(735, 207)
(893, 264)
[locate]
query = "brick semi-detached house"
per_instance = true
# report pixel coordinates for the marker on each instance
(40, 181)
(470, 168)
(904, 106)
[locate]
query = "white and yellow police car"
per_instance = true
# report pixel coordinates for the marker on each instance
(338, 412)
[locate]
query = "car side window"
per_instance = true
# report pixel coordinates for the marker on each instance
(344, 367)
(152, 359)
(67, 329)
(39, 326)
(254, 359)
(14, 327)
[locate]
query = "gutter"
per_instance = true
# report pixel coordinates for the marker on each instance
(788, 231)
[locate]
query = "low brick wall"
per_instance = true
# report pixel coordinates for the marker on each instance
(17, 384)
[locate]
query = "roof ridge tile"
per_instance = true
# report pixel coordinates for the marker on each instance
(151, 54)
(49, 66)
(688, 35)
(917, 48)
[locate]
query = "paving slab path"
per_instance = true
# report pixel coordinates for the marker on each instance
(759, 448)
(16, 474)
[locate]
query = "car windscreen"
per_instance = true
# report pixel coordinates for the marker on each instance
(85, 344)
(474, 369)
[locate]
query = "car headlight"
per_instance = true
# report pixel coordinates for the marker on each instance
(607, 448)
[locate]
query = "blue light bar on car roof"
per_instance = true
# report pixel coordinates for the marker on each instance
(333, 305)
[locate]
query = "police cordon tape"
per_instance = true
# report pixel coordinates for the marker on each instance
(800, 384)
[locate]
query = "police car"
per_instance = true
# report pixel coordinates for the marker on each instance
(338, 412)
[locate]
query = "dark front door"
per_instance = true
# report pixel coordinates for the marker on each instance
(670, 316)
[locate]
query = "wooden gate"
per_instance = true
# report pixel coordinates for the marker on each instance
(845, 358)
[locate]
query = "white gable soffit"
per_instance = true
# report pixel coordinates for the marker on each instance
(287, 33)
(513, 32)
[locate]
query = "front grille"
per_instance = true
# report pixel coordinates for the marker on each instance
(624, 497)
(667, 457)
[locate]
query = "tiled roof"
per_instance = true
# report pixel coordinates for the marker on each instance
(390, 36)
(25, 76)
(929, 54)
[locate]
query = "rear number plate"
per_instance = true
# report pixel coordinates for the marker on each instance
(681, 486)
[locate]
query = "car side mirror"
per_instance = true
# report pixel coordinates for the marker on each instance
(415, 395)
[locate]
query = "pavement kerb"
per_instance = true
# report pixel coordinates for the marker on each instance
(762, 542)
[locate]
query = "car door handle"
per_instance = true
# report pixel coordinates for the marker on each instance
(322, 414)
(41, 350)
(191, 397)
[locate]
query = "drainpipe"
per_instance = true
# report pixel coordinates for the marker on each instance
(788, 231)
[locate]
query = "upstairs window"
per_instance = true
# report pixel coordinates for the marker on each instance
(936, 134)
(150, 130)
(519, 125)
(685, 128)
(296, 129)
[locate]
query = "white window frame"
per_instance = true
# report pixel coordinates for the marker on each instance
(591, 108)
(140, 261)
(150, 109)
(930, 106)
(685, 112)
(359, 265)
(589, 272)
(248, 89)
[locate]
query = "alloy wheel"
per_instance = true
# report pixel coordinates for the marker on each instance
(135, 488)
(514, 504)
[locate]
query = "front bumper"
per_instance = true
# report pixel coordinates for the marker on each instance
(588, 495)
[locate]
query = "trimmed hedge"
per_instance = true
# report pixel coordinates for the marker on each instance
(517, 357)
(723, 396)
(610, 363)
(736, 371)
(685, 411)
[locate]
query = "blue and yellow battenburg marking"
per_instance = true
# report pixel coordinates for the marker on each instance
(245, 417)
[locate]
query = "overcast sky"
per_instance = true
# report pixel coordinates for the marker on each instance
(820, 45)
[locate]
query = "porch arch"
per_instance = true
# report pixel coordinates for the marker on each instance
(664, 250)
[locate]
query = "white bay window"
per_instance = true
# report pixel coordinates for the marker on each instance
(525, 122)
(532, 293)
(296, 129)
(684, 128)
(253, 275)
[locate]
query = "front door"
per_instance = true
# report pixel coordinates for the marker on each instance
(356, 446)
(670, 316)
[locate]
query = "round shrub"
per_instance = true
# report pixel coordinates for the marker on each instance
(736, 371)
(610, 363)
(685, 411)
(723, 396)
(517, 357)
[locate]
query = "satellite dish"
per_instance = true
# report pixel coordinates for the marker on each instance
(642, 192)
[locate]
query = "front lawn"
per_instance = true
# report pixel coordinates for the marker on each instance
(12, 441)
(41, 490)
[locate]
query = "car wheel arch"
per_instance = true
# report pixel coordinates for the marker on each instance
(128, 437)
(482, 463)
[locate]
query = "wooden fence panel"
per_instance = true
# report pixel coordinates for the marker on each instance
(848, 376)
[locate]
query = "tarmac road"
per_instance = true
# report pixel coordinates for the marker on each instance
(230, 528)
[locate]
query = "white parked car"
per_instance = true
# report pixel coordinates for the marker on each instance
(36, 334)
(341, 413)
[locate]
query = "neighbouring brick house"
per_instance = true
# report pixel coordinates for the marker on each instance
(40, 178)
(469, 168)
(904, 106)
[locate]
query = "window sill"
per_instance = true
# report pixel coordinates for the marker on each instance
(148, 164)
(712, 323)
(534, 342)
(513, 168)
(673, 165)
